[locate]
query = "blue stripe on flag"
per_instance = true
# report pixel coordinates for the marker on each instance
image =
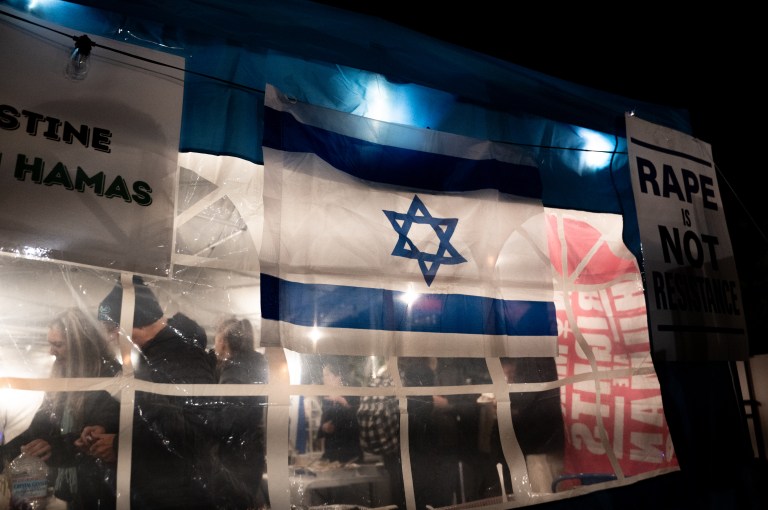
(398, 166)
(336, 306)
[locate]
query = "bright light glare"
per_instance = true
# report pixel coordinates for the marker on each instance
(35, 252)
(38, 3)
(18, 408)
(597, 150)
(314, 334)
(378, 101)
(294, 366)
(409, 297)
(385, 102)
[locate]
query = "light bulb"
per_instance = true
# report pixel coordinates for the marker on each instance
(80, 59)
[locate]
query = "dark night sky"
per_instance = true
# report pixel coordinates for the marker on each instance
(706, 61)
(697, 61)
(662, 58)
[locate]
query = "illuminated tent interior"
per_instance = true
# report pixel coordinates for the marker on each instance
(371, 68)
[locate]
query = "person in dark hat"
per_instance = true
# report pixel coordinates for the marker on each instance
(171, 443)
(146, 310)
(148, 324)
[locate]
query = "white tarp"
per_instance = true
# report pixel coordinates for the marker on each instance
(87, 168)
(694, 298)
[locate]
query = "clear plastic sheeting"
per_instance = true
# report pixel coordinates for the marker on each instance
(499, 431)
(219, 212)
(145, 391)
(32, 293)
(451, 428)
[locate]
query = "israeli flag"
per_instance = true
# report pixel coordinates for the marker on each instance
(385, 239)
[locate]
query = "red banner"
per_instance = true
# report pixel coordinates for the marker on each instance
(613, 412)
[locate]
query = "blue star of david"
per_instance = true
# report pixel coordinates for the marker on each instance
(443, 227)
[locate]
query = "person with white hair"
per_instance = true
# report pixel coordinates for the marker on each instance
(81, 350)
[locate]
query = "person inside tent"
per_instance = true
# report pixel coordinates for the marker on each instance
(432, 436)
(537, 420)
(241, 447)
(339, 429)
(81, 350)
(172, 445)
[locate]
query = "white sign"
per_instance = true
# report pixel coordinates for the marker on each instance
(692, 289)
(87, 167)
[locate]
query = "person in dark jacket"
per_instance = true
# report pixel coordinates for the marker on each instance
(171, 466)
(339, 428)
(240, 420)
(189, 330)
(478, 475)
(80, 346)
(537, 416)
(433, 436)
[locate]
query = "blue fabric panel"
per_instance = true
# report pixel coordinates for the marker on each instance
(336, 306)
(402, 167)
(317, 33)
(224, 116)
(326, 57)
